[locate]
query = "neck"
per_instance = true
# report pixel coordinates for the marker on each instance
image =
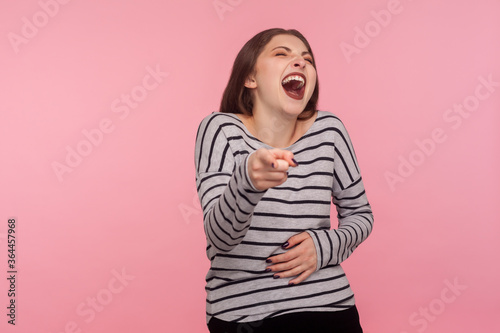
(279, 131)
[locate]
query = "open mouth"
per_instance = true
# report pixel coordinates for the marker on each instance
(294, 85)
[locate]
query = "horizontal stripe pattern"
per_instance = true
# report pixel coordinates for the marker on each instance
(244, 226)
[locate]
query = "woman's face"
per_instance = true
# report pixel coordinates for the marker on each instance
(284, 77)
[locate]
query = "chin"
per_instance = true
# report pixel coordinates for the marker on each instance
(295, 107)
(293, 110)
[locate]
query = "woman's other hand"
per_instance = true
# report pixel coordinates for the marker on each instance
(300, 260)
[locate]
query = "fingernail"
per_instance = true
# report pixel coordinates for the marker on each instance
(276, 276)
(291, 283)
(285, 245)
(294, 161)
(272, 165)
(269, 261)
(267, 270)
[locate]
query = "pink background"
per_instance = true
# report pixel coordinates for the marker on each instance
(129, 206)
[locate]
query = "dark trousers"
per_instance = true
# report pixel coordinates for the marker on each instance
(344, 321)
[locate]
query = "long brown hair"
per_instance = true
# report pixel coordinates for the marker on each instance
(237, 98)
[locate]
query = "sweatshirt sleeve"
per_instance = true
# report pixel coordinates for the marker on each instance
(226, 193)
(354, 214)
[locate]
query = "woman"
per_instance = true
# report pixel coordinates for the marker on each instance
(268, 166)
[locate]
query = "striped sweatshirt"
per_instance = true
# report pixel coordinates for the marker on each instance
(245, 226)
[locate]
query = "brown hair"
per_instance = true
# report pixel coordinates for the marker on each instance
(237, 98)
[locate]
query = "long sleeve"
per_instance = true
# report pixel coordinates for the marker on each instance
(355, 218)
(226, 194)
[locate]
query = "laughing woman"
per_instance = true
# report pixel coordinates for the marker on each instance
(268, 166)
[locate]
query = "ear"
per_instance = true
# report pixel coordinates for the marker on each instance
(250, 82)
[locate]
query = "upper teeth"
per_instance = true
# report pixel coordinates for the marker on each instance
(294, 77)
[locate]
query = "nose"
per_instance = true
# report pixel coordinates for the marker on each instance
(299, 62)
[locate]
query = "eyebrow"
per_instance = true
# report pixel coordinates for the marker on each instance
(289, 50)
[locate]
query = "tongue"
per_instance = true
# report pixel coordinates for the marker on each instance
(292, 89)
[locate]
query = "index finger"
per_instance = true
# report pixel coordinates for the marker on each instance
(266, 157)
(284, 155)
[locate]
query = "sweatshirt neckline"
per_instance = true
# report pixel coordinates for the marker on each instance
(247, 132)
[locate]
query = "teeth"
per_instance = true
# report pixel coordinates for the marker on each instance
(294, 77)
